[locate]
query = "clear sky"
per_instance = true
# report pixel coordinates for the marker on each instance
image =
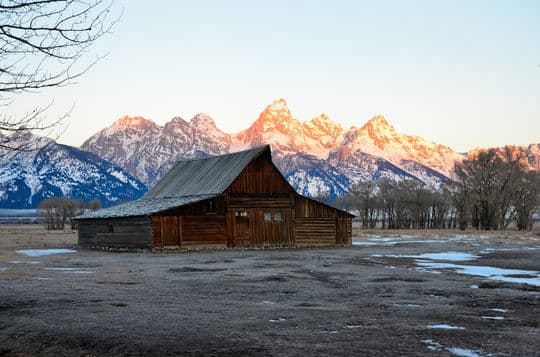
(462, 73)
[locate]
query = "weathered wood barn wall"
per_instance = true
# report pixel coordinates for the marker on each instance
(128, 233)
(233, 200)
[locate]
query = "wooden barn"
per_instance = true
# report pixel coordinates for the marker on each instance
(233, 200)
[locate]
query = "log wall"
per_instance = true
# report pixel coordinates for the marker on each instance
(260, 177)
(317, 224)
(315, 231)
(129, 233)
(198, 225)
(272, 232)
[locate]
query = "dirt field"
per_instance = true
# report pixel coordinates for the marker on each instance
(383, 296)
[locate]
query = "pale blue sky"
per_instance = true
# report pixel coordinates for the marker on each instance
(462, 73)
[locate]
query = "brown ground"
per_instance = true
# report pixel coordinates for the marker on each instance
(324, 301)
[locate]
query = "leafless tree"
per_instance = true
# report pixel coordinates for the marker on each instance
(478, 177)
(526, 199)
(47, 210)
(57, 211)
(363, 196)
(441, 206)
(496, 188)
(387, 196)
(43, 44)
(94, 205)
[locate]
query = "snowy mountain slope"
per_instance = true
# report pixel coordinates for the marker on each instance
(26, 178)
(312, 176)
(361, 166)
(377, 137)
(428, 176)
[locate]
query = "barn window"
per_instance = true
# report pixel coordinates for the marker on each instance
(211, 207)
(268, 216)
(277, 217)
(110, 228)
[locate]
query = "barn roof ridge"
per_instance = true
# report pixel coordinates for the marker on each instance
(211, 175)
(210, 157)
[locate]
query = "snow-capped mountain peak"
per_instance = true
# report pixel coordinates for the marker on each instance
(378, 127)
(132, 122)
(147, 150)
(276, 116)
(203, 121)
(378, 137)
(323, 125)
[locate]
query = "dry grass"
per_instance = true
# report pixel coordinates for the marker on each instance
(33, 236)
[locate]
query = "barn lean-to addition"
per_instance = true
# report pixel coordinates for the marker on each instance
(233, 200)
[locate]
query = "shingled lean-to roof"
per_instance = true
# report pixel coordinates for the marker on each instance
(188, 181)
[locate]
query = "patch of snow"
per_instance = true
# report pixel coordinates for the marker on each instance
(492, 273)
(463, 352)
(432, 345)
(279, 319)
(428, 271)
(41, 252)
(354, 326)
(474, 286)
(72, 270)
(364, 243)
(382, 239)
(119, 175)
(491, 250)
(392, 243)
(23, 262)
(269, 302)
(493, 317)
(445, 327)
(451, 256)
(407, 305)
(499, 310)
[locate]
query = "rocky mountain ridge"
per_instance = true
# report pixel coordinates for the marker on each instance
(316, 156)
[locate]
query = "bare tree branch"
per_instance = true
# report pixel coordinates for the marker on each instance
(43, 44)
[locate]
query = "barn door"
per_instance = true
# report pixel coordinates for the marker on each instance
(171, 231)
(242, 228)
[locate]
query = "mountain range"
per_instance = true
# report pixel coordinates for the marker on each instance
(318, 156)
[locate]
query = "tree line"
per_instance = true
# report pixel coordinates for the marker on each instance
(489, 191)
(57, 211)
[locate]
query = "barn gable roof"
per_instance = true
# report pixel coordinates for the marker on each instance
(189, 181)
(208, 176)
